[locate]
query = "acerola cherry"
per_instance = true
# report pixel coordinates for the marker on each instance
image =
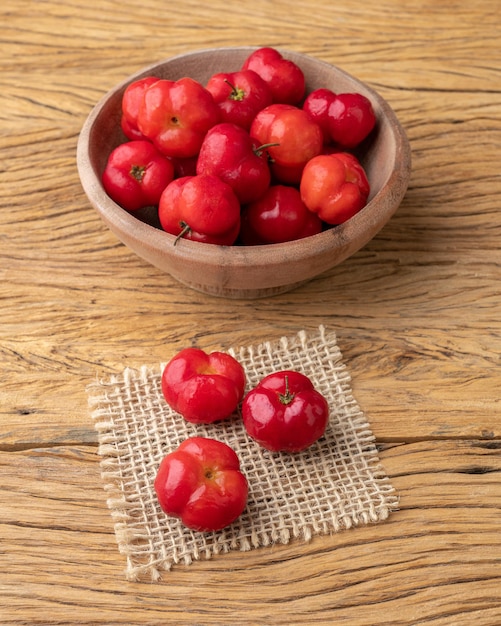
(201, 208)
(317, 104)
(285, 412)
(136, 174)
(131, 103)
(203, 387)
(350, 119)
(279, 216)
(335, 186)
(201, 483)
(176, 115)
(297, 137)
(229, 152)
(239, 95)
(284, 77)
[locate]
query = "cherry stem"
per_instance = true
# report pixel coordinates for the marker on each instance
(138, 172)
(185, 228)
(236, 92)
(287, 397)
(260, 149)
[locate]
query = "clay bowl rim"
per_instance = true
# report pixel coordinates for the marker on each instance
(352, 235)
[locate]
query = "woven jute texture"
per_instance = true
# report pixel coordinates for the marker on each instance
(336, 484)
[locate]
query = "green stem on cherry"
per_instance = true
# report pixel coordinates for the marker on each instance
(236, 93)
(260, 149)
(287, 397)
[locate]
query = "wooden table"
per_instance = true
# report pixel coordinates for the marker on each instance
(417, 314)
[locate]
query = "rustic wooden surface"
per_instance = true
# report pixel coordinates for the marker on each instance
(417, 313)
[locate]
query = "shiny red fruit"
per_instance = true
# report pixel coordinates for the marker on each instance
(284, 77)
(229, 152)
(317, 104)
(176, 115)
(201, 483)
(201, 208)
(334, 186)
(284, 412)
(239, 95)
(203, 387)
(351, 119)
(278, 216)
(136, 175)
(131, 103)
(293, 136)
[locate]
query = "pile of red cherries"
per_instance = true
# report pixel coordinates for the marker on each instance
(247, 159)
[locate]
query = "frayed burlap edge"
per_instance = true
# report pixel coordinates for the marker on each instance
(336, 484)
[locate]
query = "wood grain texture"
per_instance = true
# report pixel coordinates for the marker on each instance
(416, 313)
(401, 571)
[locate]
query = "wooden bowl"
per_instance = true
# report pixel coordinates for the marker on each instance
(247, 271)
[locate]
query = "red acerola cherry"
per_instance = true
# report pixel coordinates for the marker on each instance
(229, 152)
(284, 77)
(279, 216)
(350, 119)
(240, 96)
(297, 137)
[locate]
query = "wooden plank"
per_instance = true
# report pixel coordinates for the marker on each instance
(416, 312)
(436, 560)
(430, 374)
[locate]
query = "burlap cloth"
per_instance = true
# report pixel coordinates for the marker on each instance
(336, 484)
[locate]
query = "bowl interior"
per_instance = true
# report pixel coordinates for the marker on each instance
(240, 271)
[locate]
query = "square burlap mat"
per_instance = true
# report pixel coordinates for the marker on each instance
(336, 484)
